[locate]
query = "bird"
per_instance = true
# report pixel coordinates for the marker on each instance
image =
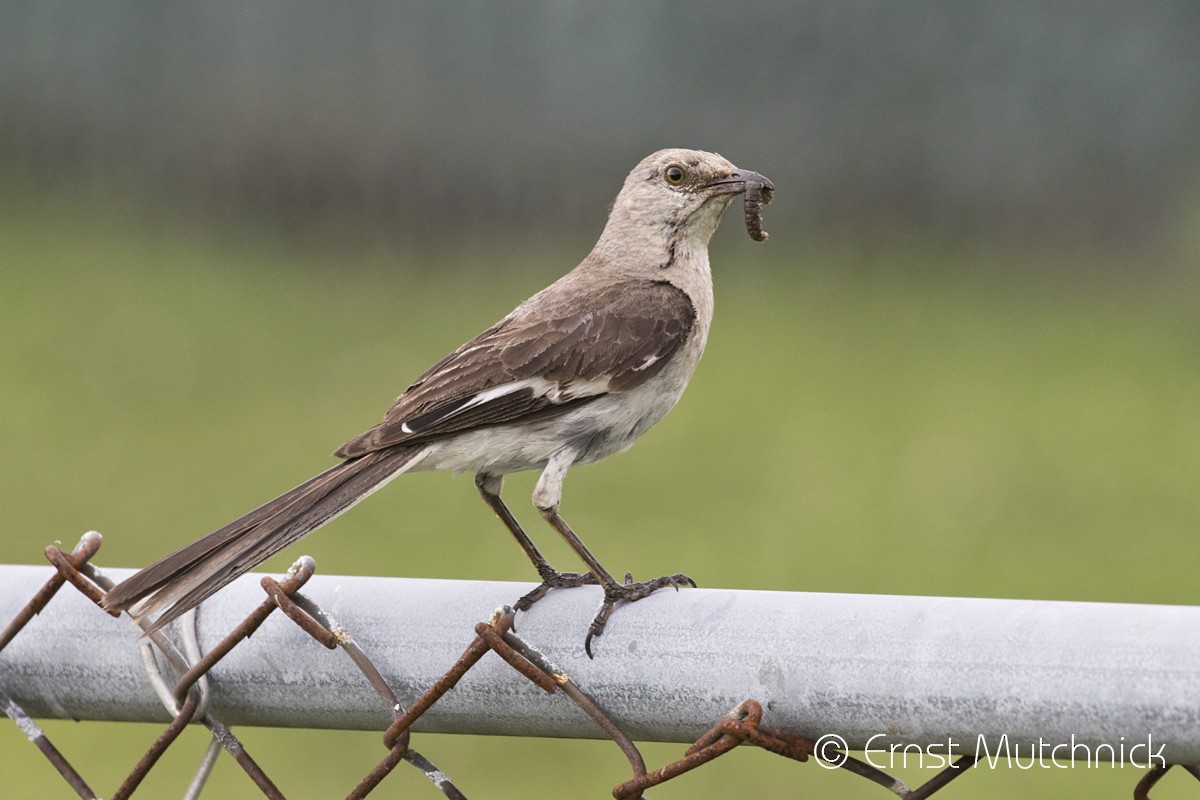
(574, 374)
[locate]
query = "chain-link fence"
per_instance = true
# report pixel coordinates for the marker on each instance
(987, 679)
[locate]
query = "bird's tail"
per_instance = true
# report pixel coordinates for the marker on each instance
(182, 580)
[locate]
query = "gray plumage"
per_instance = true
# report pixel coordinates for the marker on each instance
(575, 373)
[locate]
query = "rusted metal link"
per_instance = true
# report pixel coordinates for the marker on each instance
(435, 775)
(164, 740)
(745, 716)
(356, 654)
(195, 694)
(381, 770)
(31, 609)
(939, 781)
(634, 788)
(581, 699)
(780, 743)
(497, 635)
(188, 701)
(395, 756)
(514, 659)
(242, 631)
(88, 545)
(73, 568)
(68, 773)
(1155, 774)
(248, 764)
(348, 645)
(297, 615)
(897, 786)
(475, 651)
(297, 576)
(873, 774)
(488, 636)
(67, 567)
(38, 737)
(741, 725)
(314, 621)
(1148, 781)
(712, 743)
(399, 751)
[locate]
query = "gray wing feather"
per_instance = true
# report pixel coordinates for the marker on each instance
(620, 337)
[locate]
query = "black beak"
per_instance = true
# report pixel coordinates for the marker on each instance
(736, 182)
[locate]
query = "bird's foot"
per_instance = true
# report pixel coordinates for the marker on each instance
(629, 592)
(553, 579)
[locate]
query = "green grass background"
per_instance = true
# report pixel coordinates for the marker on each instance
(900, 418)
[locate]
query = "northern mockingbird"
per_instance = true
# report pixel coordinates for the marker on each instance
(575, 373)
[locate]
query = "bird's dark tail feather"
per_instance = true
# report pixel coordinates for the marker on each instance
(185, 578)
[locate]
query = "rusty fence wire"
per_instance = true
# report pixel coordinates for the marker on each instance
(183, 677)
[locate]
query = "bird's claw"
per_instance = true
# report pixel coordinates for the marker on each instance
(552, 579)
(629, 592)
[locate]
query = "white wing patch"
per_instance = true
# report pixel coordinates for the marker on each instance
(650, 360)
(503, 389)
(553, 391)
(573, 390)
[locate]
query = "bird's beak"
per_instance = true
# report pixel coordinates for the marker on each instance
(736, 182)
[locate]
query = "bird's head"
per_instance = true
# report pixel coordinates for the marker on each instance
(680, 193)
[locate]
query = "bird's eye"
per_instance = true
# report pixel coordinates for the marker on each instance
(674, 174)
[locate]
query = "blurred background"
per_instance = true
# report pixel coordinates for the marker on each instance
(967, 362)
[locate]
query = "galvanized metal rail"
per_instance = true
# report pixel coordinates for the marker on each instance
(871, 670)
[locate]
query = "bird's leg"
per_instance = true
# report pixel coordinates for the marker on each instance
(613, 591)
(546, 496)
(489, 487)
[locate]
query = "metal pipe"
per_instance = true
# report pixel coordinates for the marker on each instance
(876, 670)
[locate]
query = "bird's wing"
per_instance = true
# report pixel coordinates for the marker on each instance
(611, 340)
